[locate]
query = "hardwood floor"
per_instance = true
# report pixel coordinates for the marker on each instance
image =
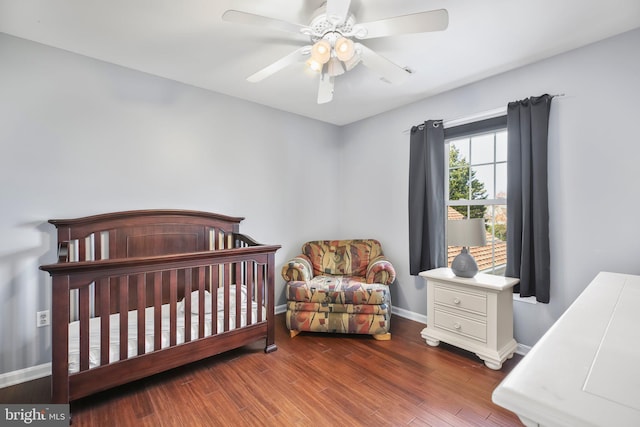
(312, 380)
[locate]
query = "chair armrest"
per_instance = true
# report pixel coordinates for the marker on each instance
(298, 268)
(380, 270)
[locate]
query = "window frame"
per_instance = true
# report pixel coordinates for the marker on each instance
(493, 125)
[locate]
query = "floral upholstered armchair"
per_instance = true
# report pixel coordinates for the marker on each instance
(339, 286)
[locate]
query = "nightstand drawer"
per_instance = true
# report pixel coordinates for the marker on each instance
(460, 325)
(461, 300)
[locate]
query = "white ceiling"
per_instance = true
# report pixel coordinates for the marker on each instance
(187, 41)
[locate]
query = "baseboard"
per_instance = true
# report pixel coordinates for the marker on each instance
(420, 318)
(522, 349)
(281, 308)
(23, 375)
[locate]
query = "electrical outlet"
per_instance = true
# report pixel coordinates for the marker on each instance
(42, 318)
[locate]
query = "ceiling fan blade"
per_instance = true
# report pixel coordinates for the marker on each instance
(422, 22)
(337, 11)
(240, 17)
(325, 90)
(388, 70)
(295, 56)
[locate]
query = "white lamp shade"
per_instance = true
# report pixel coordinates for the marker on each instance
(466, 232)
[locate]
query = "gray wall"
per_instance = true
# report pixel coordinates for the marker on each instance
(79, 136)
(593, 174)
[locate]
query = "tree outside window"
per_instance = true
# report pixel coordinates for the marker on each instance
(463, 184)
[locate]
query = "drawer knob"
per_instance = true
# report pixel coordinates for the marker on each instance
(456, 300)
(456, 325)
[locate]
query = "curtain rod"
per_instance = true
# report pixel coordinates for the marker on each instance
(488, 114)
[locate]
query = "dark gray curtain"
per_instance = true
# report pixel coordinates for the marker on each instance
(427, 246)
(527, 196)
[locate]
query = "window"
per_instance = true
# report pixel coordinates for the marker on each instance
(476, 186)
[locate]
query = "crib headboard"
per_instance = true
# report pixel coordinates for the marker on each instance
(143, 233)
(97, 244)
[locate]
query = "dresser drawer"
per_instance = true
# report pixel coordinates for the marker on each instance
(461, 325)
(476, 303)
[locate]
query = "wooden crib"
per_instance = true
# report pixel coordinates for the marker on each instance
(139, 292)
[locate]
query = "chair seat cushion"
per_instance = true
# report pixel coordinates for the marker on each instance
(338, 290)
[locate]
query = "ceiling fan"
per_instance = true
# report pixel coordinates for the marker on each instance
(332, 50)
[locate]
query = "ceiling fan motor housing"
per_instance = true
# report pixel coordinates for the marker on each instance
(320, 25)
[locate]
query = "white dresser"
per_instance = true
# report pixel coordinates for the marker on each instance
(475, 314)
(585, 371)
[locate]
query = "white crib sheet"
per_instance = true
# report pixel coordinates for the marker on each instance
(132, 344)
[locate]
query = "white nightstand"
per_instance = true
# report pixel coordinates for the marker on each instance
(474, 314)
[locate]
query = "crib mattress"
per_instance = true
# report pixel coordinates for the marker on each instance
(132, 343)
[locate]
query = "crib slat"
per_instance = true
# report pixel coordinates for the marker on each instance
(82, 249)
(217, 241)
(260, 293)
(173, 297)
(201, 310)
(97, 246)
(215, 278)
(124, 317)
(250, 268)
(105, 304)
(157, 310)
(208, 273)
(227, 279)
(83, 300)
(142, 304)
(187, 305)
(238, 294)
(112, 247)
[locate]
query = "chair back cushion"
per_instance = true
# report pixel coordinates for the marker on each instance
(341, 257)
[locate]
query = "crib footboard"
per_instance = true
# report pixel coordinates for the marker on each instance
(121, 320)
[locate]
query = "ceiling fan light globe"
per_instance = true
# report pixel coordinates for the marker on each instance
(335, 67)
(314, 65)
(321, 51)
(344, 49)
